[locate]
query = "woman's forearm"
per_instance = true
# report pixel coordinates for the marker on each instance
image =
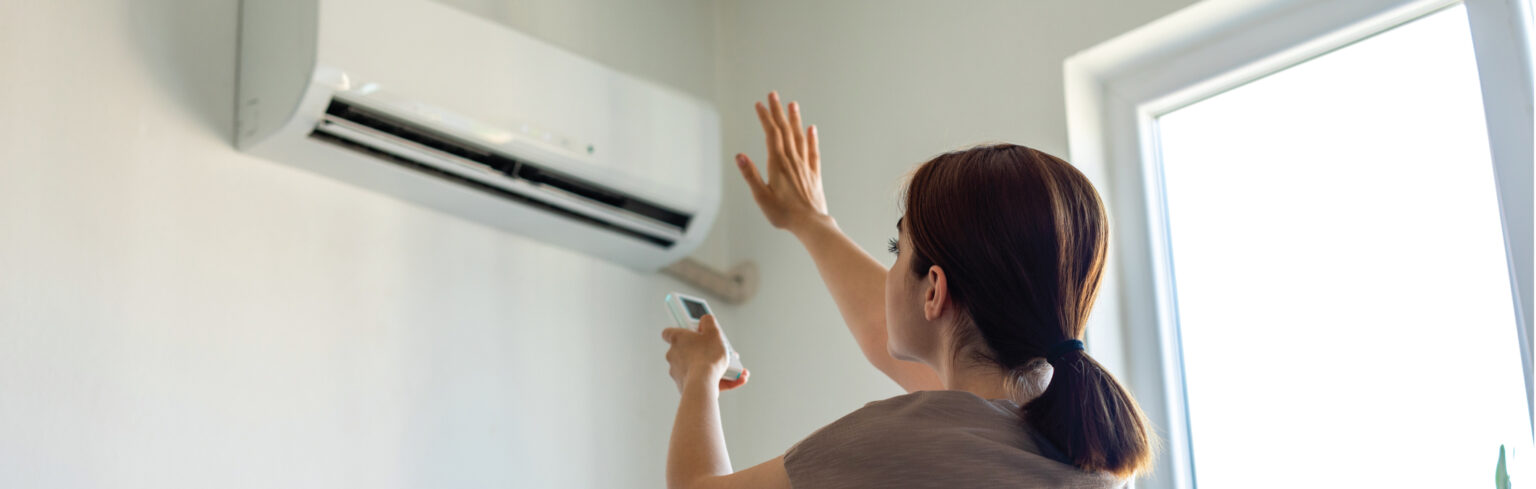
(855, 279)
(697, 449)
(857, 283)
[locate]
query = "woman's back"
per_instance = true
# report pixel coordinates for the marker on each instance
(938, 439)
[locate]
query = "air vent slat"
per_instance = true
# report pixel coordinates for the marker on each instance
(498, 191)
(507, 166)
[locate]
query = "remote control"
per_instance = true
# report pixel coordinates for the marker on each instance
(687, 310)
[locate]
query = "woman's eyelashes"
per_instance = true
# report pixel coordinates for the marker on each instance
(894, 247)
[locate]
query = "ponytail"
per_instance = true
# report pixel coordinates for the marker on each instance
(1022, 237)
(1091, 418)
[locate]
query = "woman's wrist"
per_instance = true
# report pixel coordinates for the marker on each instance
(702, 384)
(811, 224)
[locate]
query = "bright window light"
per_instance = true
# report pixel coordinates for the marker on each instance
(1343, 302)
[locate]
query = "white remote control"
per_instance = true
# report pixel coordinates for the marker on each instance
(687, 310)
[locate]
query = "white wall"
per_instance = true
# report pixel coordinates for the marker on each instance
(176, 314)
(889, 84)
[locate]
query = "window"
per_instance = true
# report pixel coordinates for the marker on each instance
(1321, 248)
(1341, 293)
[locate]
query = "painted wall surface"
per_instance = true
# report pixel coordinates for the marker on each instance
(889, 85)
(177, 314)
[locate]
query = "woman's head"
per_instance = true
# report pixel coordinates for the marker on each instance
(1002, 249)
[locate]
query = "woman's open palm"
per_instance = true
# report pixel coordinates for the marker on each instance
(792, 193)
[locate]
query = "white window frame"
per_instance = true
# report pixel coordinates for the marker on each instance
(1116, 90)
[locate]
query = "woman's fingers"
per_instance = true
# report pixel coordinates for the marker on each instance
(708, 326)
(770, 132)
(726, 385)
(671, 334)
(794, 128)
(786, 139)
(812, 149)
(753, 178)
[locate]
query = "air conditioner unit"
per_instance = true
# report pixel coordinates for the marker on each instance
(442, 108)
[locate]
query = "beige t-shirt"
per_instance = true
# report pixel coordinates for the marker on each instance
(934, 439)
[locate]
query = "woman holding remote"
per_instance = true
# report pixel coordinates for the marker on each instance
(1000, 253)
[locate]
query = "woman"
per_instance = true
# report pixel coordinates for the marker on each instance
(999, 258)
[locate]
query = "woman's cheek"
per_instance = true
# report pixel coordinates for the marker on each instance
(890, 295)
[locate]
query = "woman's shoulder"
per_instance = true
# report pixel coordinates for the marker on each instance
(927, 434)
(944, 408)
(946, 398)
(918, 413)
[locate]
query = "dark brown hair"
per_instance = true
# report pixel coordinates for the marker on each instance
(1021, 236)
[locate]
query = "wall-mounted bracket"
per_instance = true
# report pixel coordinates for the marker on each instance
(734, 286)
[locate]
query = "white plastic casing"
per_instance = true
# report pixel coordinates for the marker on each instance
(487, 84)
(677, 303)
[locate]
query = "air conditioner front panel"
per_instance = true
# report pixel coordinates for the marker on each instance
(620, 168)
(544, 98)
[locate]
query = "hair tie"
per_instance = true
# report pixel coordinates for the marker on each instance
(1062, 349)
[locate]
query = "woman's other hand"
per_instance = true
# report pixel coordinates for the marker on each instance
(792, 195)
(699, 356)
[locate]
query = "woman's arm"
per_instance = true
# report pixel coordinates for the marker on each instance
(696, 457)
(857, 284)
(697, 449)
(792, 199)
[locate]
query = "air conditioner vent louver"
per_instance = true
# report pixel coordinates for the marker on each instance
(503, 170)
(498, 191)
(541, 176)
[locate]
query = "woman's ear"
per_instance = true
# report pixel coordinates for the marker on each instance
(936, 300)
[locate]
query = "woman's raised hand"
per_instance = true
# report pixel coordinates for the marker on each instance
(792, 195)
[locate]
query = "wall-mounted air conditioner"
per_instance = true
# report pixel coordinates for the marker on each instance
(438, 107)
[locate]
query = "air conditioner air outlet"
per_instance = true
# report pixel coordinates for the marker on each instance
(506, 166)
